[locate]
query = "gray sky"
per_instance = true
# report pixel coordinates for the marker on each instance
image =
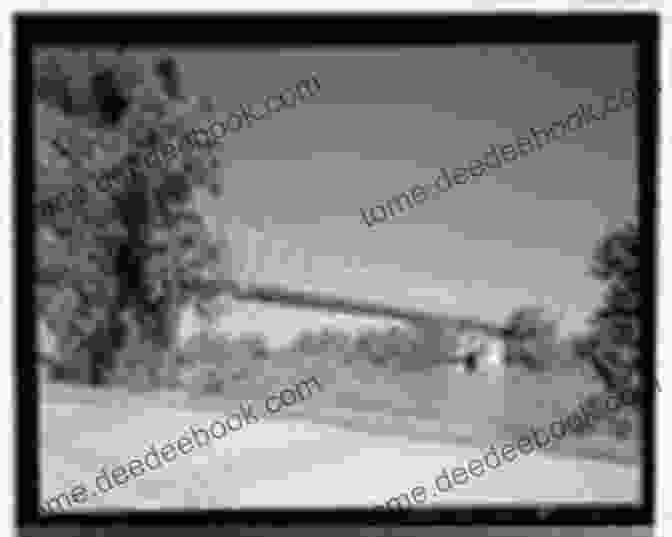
(387, 119)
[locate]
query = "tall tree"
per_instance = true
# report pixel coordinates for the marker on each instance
(613, 342)
(125, 244)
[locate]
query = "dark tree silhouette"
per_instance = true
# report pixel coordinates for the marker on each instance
(612, 346)
(135, 251)
(110, 103)
(167, 71)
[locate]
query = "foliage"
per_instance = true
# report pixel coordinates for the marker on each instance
(379, 347)
(612, 345)
(231, 359)
(256, 345)
(305, 342)
(138, 246)
(530, 322)
(136, 366)
(394, 346)
(202, 379)
(531, 338)
(328, 338)
(369, 343)
(211, 362)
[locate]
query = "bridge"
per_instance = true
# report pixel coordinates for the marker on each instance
(253, 253)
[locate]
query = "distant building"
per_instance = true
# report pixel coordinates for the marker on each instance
(481, 351)
(471, 346)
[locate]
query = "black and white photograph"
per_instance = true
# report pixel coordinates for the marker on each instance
(351, 270)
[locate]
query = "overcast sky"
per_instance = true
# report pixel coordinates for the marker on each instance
(387, 119)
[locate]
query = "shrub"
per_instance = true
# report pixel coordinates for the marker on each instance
(327, 339)
(370, 345)
(138, 367)
(532, 338)
(621, 426)
(256, 345)
(202, 379)
(206, 348)
(210, 362)
(304, 342)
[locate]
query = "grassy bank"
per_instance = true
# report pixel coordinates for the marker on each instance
(438, 404)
